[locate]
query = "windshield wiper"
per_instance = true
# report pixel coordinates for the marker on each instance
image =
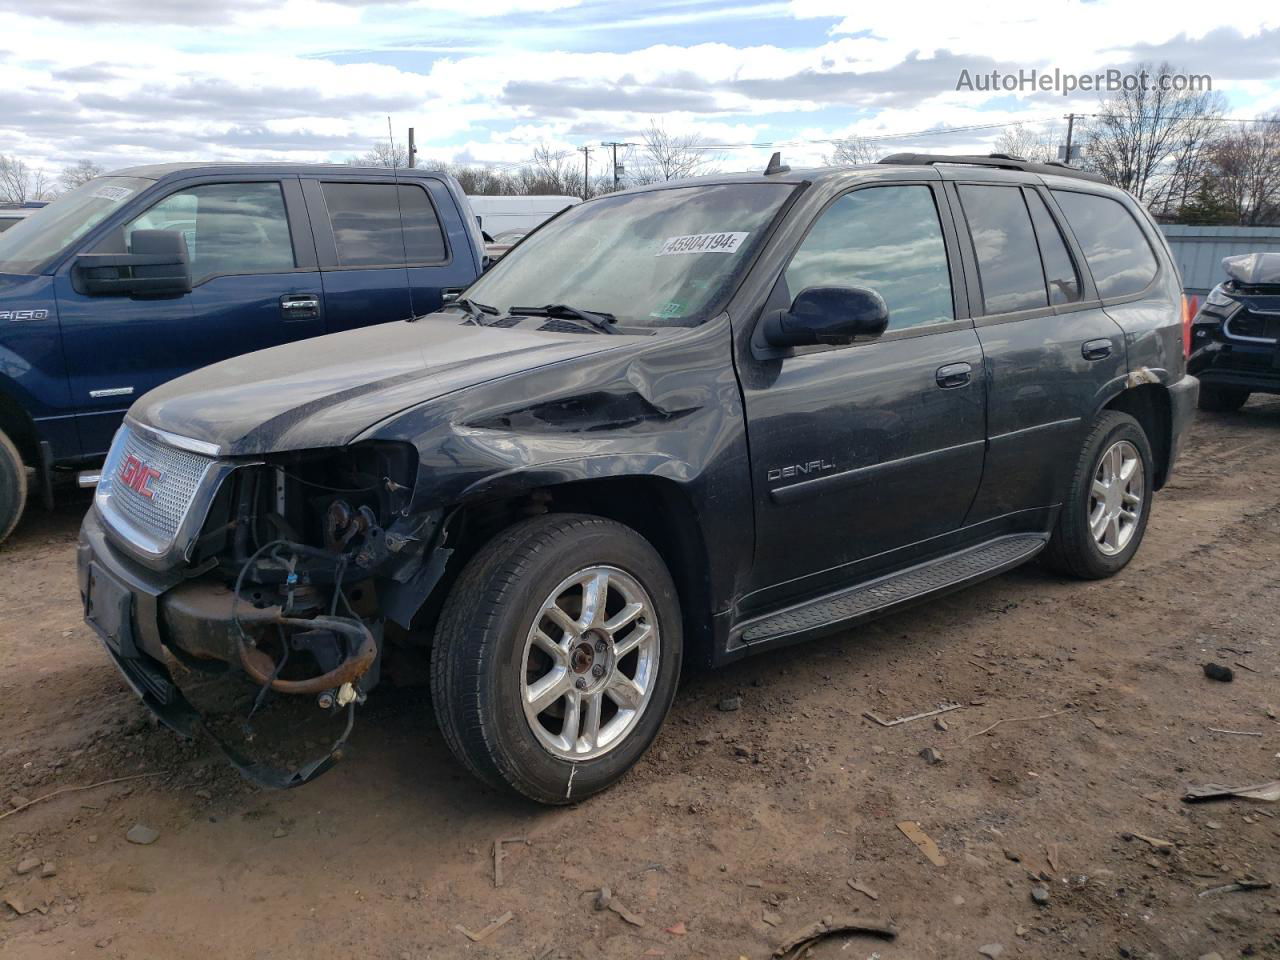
(562, 311)
(476, 312)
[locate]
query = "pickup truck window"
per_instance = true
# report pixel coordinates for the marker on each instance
(666, 257)
(1008, 262)
(33, 243)
(230, 228)
(887, 239)
(367, 219)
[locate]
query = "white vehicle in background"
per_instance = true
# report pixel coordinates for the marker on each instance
(11, 213)
(513, 217)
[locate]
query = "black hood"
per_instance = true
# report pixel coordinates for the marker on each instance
(325, 391)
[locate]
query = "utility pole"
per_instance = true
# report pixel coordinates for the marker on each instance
(413, 150)
(1071, 123)
(586, 171)
(614, 145)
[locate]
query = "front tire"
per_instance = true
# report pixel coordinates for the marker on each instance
(13, 486)
(1104, 517)
(1222, 399)
(556, 656)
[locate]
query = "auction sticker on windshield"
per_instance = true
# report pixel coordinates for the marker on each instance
(116, 194)
(702, 243)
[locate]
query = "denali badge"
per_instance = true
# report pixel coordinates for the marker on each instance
(137, 476)
(24, 314)
(800, 470)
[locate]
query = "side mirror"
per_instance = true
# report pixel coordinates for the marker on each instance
(157, 267)
(831, 315)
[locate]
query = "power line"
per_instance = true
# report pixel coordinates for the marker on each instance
(1141, 116)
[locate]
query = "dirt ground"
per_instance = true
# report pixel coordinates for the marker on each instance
(738, 827)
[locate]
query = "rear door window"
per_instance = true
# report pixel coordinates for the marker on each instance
(887, 239)
(1059, 270)
(1005, 244)
(367, 218)
(1116, 249)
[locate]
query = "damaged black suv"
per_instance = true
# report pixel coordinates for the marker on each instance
(678, 424)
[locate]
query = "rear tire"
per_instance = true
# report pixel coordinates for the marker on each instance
(556, 656)
(1104, 517)
(1222, 399)
(13, 486)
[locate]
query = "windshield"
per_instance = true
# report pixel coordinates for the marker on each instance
(660, 258)
(28, 245)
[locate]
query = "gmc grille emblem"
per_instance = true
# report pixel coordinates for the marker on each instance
(137, 476)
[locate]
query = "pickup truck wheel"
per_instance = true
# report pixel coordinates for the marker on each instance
(1104, 517)
(1222, 399)
(13, 486)
(556, 656)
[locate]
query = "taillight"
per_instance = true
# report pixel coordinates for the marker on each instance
(1190, 306)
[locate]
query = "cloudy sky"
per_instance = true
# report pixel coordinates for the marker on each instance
(126, 81)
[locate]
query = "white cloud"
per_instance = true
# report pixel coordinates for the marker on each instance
(487, 79)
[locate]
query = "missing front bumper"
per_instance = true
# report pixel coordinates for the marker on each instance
(133, 610)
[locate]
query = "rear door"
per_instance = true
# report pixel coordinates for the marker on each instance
(1052, 354)
(383, 253)
(254, 285)
(863, 449)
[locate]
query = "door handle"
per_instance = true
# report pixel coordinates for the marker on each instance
(954, 375)
(1095, 349)
(299, 306)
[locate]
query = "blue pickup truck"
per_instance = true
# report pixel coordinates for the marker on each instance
(150, 272)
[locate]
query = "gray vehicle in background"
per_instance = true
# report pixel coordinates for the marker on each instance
(11, 214)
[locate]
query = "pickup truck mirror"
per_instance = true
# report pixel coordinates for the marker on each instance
(829, 315)
(156, 266)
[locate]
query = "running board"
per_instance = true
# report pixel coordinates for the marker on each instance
(877, 597)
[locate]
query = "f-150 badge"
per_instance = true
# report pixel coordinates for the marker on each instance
(24, 314)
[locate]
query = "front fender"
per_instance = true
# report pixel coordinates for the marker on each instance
(668, 408)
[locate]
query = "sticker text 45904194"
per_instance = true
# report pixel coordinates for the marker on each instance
(702, 243)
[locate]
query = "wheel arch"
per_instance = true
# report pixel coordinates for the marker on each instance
(658, 508)
(1149, 404)
(17, 424)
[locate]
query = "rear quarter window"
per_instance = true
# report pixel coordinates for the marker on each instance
(1116, 249)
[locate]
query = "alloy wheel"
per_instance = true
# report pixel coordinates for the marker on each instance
(590, 663)
(1115, 497)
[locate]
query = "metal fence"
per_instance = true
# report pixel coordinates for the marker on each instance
(1199, 251)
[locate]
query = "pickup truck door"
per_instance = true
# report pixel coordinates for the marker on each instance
(865, 449)
(254, 285)
(386, 248)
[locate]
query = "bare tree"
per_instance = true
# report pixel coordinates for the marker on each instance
(1038, 146)
(852, 153)
(20, 182)
(664, 156)
(383, 154)
(1148, 138)
(81, 172)
(1244, 172)
(552, 171)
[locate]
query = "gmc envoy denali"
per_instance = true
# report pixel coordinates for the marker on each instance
(678, 424)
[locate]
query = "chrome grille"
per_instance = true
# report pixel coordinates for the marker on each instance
(151, 523)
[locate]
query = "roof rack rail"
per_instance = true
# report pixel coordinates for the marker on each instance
(1004, 161)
